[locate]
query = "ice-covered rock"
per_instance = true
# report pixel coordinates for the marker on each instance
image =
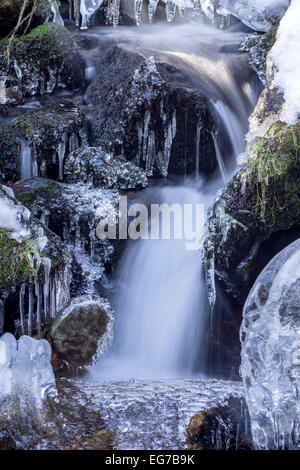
(34, 269)
(270, 336)
(83, 330)
(101, 169)
(150, 113)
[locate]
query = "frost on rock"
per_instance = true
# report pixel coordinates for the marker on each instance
(37, 279)
(287, 76)
(270, 336)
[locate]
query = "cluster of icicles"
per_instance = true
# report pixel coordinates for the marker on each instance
(82, 10)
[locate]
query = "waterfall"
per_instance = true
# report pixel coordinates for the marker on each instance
(26, 160)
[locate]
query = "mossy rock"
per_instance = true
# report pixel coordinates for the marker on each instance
(257, 212)
(10, 11)
(42, 61)
(44, 130)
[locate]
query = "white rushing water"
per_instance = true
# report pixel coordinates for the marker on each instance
(161, 301)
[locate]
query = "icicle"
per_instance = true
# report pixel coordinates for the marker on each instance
(21, 308)
(18, 71)
(56, 14)
(147, 118)
(219, 159)
(52, 298)
(61, 155)
(70, 9)
(150, 153)
(198, 135)
(38, 307)
(152, 9)
(46, 287)
(1, 317)
(77, 12)
(138, 6)
(26, 160)
(34, 163)
(30, 310)
(115, 12)
(170, 10)
(73, 142)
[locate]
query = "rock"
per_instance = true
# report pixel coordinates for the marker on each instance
(34, 280)
(258, 46)
(259, 202)
(254, 216)
(37, 142)
(83, 330)
(73, 211)
(10, 10)
(42, 61)
(150, 112)
(101, 169)
(223, 427)
(271, 352)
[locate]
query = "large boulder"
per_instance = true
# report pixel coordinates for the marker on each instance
(42, 61)
(83, 330)
(222, 427)
(151, 113)
(34, 280)
(271, 352)
(38, 142)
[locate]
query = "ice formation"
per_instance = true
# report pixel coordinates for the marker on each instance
(254, 13)
(271, 353)
(287, 58)
(25, 371)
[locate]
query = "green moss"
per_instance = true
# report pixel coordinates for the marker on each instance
(28, 199)
(274, 173)
(15, 264)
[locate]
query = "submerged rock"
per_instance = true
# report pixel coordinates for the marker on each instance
(222, 427)
(83, 330)
(271, 352)
(38, 142)
(150, 112)
(101, 169)
(42, 61)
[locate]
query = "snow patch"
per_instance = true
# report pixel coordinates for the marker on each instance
(287, 58)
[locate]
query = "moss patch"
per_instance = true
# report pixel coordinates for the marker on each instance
(15, 262)
(274, 173)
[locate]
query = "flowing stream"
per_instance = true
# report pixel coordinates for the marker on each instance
(155, 371)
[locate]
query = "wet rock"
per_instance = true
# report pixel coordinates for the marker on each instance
(38, 142)
(44, 60)
(10, 10)
(101, 169)
(271, 352)
(83, 330)
(73, 211)
(258, 46)
(150, 112)
(34, 281)
(260, 204)
(223, 427)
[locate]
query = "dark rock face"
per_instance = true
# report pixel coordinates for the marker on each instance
(42, 61)
(51, 133)
(92, 165)
(224, 427)
(149, 112)
(76, 332)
